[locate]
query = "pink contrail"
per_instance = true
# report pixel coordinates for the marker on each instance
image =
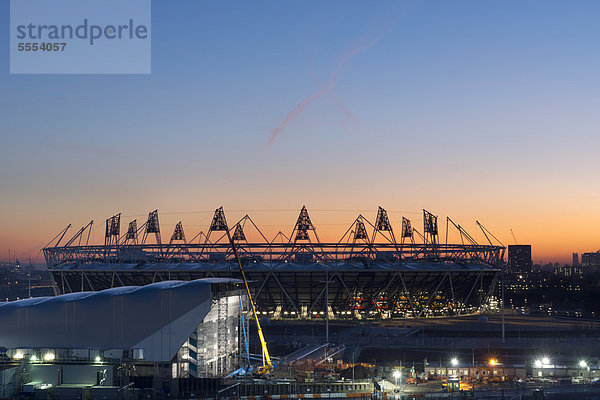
(333, 79)
(347, 115)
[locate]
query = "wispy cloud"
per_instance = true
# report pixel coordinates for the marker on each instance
(348, 117)
(331, 82)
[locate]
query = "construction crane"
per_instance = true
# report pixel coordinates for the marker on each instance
(513, 235)
(267, 366)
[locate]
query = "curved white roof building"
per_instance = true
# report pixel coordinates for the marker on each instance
(156, 319)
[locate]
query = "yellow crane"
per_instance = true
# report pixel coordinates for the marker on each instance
(267, 366)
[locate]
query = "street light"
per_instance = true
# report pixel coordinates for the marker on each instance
(583, 364)
(545, 361)
(397, 375)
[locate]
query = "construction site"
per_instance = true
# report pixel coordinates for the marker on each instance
(369, 316)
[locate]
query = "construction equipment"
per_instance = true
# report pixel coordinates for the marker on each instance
(267, 366)
(513, 236)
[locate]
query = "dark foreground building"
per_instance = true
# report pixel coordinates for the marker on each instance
(519, 258)
(590, 261)
(115, 338)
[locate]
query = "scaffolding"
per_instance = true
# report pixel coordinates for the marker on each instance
(213, 349)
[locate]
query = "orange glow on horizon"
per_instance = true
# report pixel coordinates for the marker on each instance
(27, 241)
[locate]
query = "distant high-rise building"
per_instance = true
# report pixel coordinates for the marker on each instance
(590, 260)
(575, 259)
(519, 258)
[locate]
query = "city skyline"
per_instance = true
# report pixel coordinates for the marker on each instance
(476, 111)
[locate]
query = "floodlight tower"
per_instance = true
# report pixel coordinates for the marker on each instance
(131, 236)
(152, 226)
(430, 227)
(113, 229)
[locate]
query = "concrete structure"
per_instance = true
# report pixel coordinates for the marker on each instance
(519, 258)
(564, 371)
(479, 371)
(520, 371)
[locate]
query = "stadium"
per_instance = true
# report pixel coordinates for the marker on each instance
(367, 274)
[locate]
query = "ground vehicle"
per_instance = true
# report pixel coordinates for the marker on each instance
(565, 381)
(455, 384)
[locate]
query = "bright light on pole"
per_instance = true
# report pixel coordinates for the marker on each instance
(454, 362)
(538, 363)
(397, 375)
(582, 364)
(545, 361)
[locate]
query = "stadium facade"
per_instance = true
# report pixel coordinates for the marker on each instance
(368, 273)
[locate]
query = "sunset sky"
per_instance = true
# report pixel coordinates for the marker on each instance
(476, 110)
